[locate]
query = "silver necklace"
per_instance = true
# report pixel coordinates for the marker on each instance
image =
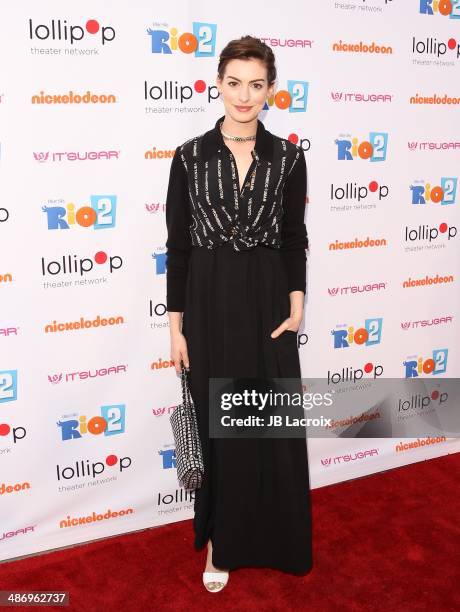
(237, 138)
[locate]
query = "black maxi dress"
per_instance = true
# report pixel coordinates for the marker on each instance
(232, 258)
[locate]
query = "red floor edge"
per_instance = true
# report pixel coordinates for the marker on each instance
(389, 541)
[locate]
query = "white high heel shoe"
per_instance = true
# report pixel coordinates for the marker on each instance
(215, 581)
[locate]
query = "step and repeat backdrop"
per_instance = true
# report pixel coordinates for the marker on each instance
(94, 99)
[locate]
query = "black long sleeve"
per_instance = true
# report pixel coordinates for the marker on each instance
(178, 244)
(294, 238)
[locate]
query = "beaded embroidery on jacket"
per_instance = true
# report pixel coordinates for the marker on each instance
(220, 213)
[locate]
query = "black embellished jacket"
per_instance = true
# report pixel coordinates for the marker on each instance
(205, 207)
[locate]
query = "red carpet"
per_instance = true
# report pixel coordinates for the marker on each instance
(390, 541)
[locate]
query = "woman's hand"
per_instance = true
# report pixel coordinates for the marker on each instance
(292, 323)
(179, 350)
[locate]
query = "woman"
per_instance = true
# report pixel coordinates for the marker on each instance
(235, 293)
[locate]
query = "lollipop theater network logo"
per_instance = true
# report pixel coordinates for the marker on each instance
(294, 98)
(60, 30)
(71, 264)
(4, 214)
(425, 233)
(433, 46)
(418, 403)
(178, 92)
(16, 433)
(84, 468)
(201, 41)
(374, 149)
(355, 192)
(351, 374)
(303, 143)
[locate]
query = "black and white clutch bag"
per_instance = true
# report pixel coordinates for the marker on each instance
(189, 454)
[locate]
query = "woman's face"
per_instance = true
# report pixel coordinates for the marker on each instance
(244, 88)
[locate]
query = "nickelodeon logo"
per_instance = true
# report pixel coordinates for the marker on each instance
(6, 278)
(5, 488)
(155, 153)
(434, 99)
(83, 324)
(357, 244)
(405, 446)
(93, 518)
(362, 48)
(73, 98)
(428, 280)
(351, 420)
(161, 364)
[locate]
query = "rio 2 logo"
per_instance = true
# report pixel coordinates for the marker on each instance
(446, 8)
(110, 423)
(294, 98)
(8, 385)
(101, 214)
(436, 364)
(445, 193)
(346, 335)
(168, 458)
(201, 42)
(374, 149)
